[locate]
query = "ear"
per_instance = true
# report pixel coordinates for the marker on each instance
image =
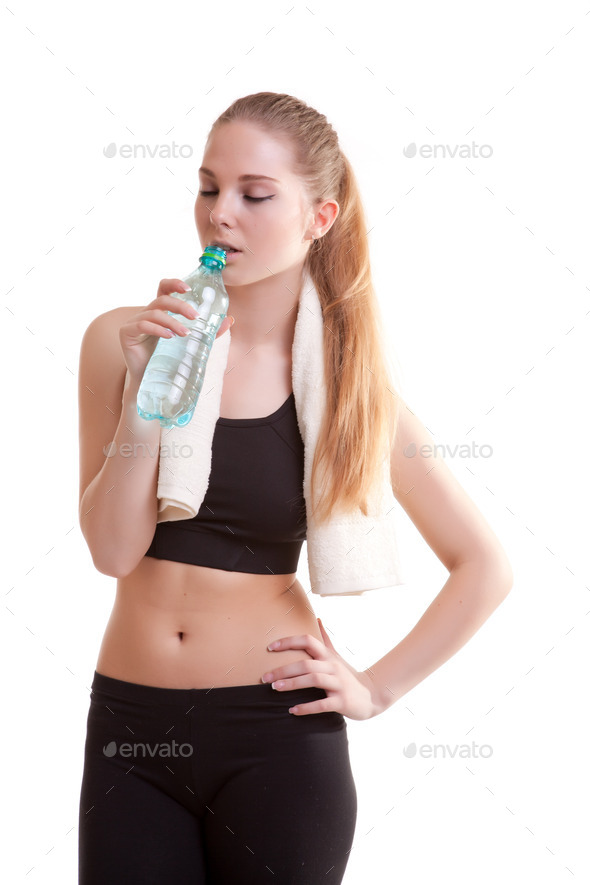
(324, 217)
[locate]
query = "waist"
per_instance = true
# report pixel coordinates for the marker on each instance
(185, 626)
(178, 588)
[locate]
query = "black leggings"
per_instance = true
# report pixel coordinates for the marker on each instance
(219, 786)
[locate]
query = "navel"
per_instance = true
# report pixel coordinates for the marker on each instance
(180, 636)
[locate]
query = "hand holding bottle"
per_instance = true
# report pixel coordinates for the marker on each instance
(138, 335)
(175, 372)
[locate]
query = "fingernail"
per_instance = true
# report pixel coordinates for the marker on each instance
(185, 288)
(232, 322)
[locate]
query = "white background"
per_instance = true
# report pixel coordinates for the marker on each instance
(483, 276)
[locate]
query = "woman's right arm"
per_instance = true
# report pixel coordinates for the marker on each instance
(119, 450)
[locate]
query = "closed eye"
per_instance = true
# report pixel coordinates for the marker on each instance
(246, 196)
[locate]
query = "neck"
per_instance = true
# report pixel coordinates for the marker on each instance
(265, 312)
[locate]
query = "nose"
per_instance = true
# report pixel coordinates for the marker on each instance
(221, 212)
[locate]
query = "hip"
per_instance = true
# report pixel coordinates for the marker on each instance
(149, 725)
(206, 738)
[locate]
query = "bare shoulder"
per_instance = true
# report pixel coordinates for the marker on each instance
(100, 347)
(107, 324)
(440, 508)
(101, 356)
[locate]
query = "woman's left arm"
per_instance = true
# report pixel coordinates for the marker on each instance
(480, 578)
(456, 531)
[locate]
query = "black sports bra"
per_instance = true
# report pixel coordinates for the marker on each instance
(252, 518)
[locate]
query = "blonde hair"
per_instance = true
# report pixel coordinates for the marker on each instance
(361, 416)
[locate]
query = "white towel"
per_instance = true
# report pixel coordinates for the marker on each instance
(349, 554)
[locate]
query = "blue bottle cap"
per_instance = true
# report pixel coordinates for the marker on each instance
(215, 255)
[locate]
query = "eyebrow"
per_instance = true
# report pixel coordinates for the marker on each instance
(242, 177)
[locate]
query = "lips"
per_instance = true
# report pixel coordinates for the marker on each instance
(225, 246)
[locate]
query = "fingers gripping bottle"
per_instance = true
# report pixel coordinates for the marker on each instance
(173, 377)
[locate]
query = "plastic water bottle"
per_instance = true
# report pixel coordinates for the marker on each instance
(173, 377)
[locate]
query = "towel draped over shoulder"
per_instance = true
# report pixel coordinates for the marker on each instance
(347, 555)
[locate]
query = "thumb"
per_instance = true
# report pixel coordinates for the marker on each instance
(325, 637)
(226, 324)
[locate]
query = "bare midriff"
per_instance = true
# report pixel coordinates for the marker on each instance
(175, 625)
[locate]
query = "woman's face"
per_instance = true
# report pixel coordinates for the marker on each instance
(266, 219)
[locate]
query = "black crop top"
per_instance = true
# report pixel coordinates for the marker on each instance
(252, 518)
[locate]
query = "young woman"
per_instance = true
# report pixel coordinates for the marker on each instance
(210, 758)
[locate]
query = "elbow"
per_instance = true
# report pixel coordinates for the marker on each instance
(114, 552)
(491, 569)
(504, 572)
(115, 567)
(501, 576)
(114, 562)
